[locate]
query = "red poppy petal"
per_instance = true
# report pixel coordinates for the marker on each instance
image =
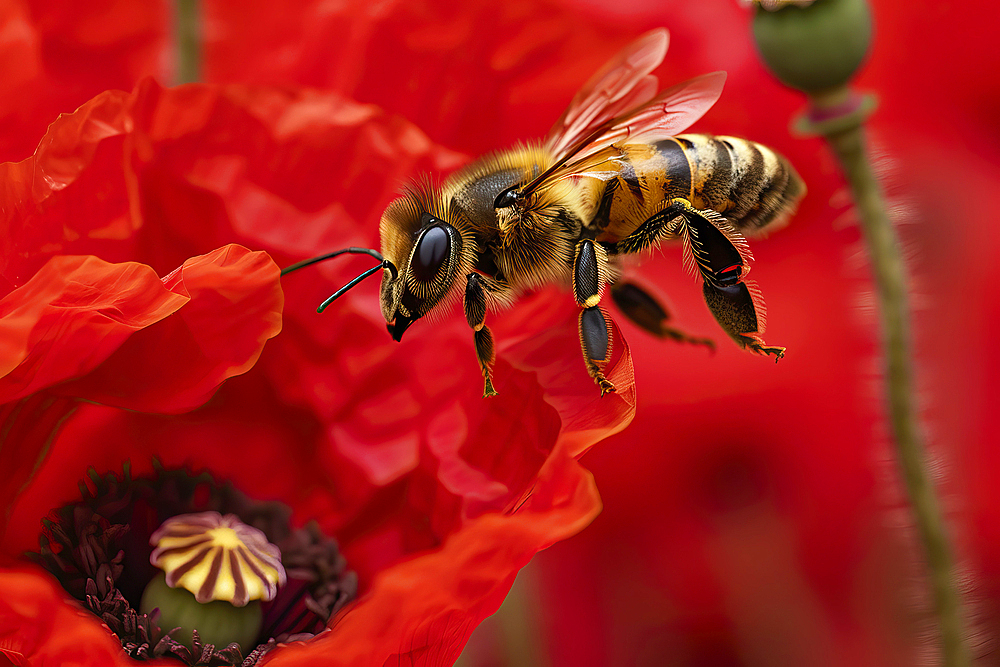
(86, 209)
(40, 626)
(541, 338)
(475, 76)
(294, 171)
(77, 313)
(27, 428)
(161, 174)
(71, 316)
(56, 54)
(234, 306)
(422, 611)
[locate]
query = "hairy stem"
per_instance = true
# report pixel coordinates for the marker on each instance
(889, 274)
(187, 40)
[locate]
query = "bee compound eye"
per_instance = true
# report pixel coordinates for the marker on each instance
(433, 248)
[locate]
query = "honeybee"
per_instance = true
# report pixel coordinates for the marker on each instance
(613, 178)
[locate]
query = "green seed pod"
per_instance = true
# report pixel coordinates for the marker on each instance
(814, 48)
(217, 622)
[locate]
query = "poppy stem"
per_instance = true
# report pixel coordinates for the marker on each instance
(187, 40)
(514, 628)
(841, 124)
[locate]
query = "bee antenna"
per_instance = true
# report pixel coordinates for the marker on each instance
(385, 264)
(336, 253)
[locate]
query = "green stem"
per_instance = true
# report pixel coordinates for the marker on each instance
(889, 273)
(515, 627)
(187, 38)
(519, 624)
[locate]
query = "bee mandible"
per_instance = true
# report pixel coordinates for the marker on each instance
(613, 178)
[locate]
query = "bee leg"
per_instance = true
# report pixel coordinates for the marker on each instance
(736, 304)
(595, 332)
(595, 339)
(735, 308)
(653, 229)
(475, 315)
(643, 309)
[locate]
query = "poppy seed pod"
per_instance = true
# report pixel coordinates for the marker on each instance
(814, 48)
(218, 622)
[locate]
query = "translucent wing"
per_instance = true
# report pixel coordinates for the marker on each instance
(623, 83)
(668, 113)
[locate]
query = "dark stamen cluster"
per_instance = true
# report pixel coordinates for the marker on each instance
(312, 558)
(98, 548)
(142, 637)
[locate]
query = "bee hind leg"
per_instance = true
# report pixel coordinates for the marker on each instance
(475, 315)
(595, 331)
(647, 312)
(736, 308)
(714, 248)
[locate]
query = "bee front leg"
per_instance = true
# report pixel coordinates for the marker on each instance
(595, 332)
(475, 315)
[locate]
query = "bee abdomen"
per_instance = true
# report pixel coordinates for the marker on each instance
(748, 183)
(766, 188)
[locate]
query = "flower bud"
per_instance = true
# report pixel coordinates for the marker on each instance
(814, 48)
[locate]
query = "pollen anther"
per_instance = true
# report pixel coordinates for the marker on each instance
(217, 557)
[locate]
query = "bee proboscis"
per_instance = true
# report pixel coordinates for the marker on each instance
(614, 177)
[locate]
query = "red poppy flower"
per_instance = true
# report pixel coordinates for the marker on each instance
(740, 481)
(436, 496)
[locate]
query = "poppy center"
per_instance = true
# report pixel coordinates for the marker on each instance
(217, 557)
(179, 566)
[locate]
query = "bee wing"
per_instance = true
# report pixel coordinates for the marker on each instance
(666, 114)
(669, 113)
(623, 83)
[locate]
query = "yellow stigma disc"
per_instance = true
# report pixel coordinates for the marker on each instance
(217, 557)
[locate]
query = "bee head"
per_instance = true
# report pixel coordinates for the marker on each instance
(430, 251)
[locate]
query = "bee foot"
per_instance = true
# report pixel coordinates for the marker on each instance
(488, 389)
(764, 350)
(706, 342)
(606, 386)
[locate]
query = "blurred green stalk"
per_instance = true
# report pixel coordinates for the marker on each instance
(817, 48)
(187, 40)
(512, 637)
(890, 281)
